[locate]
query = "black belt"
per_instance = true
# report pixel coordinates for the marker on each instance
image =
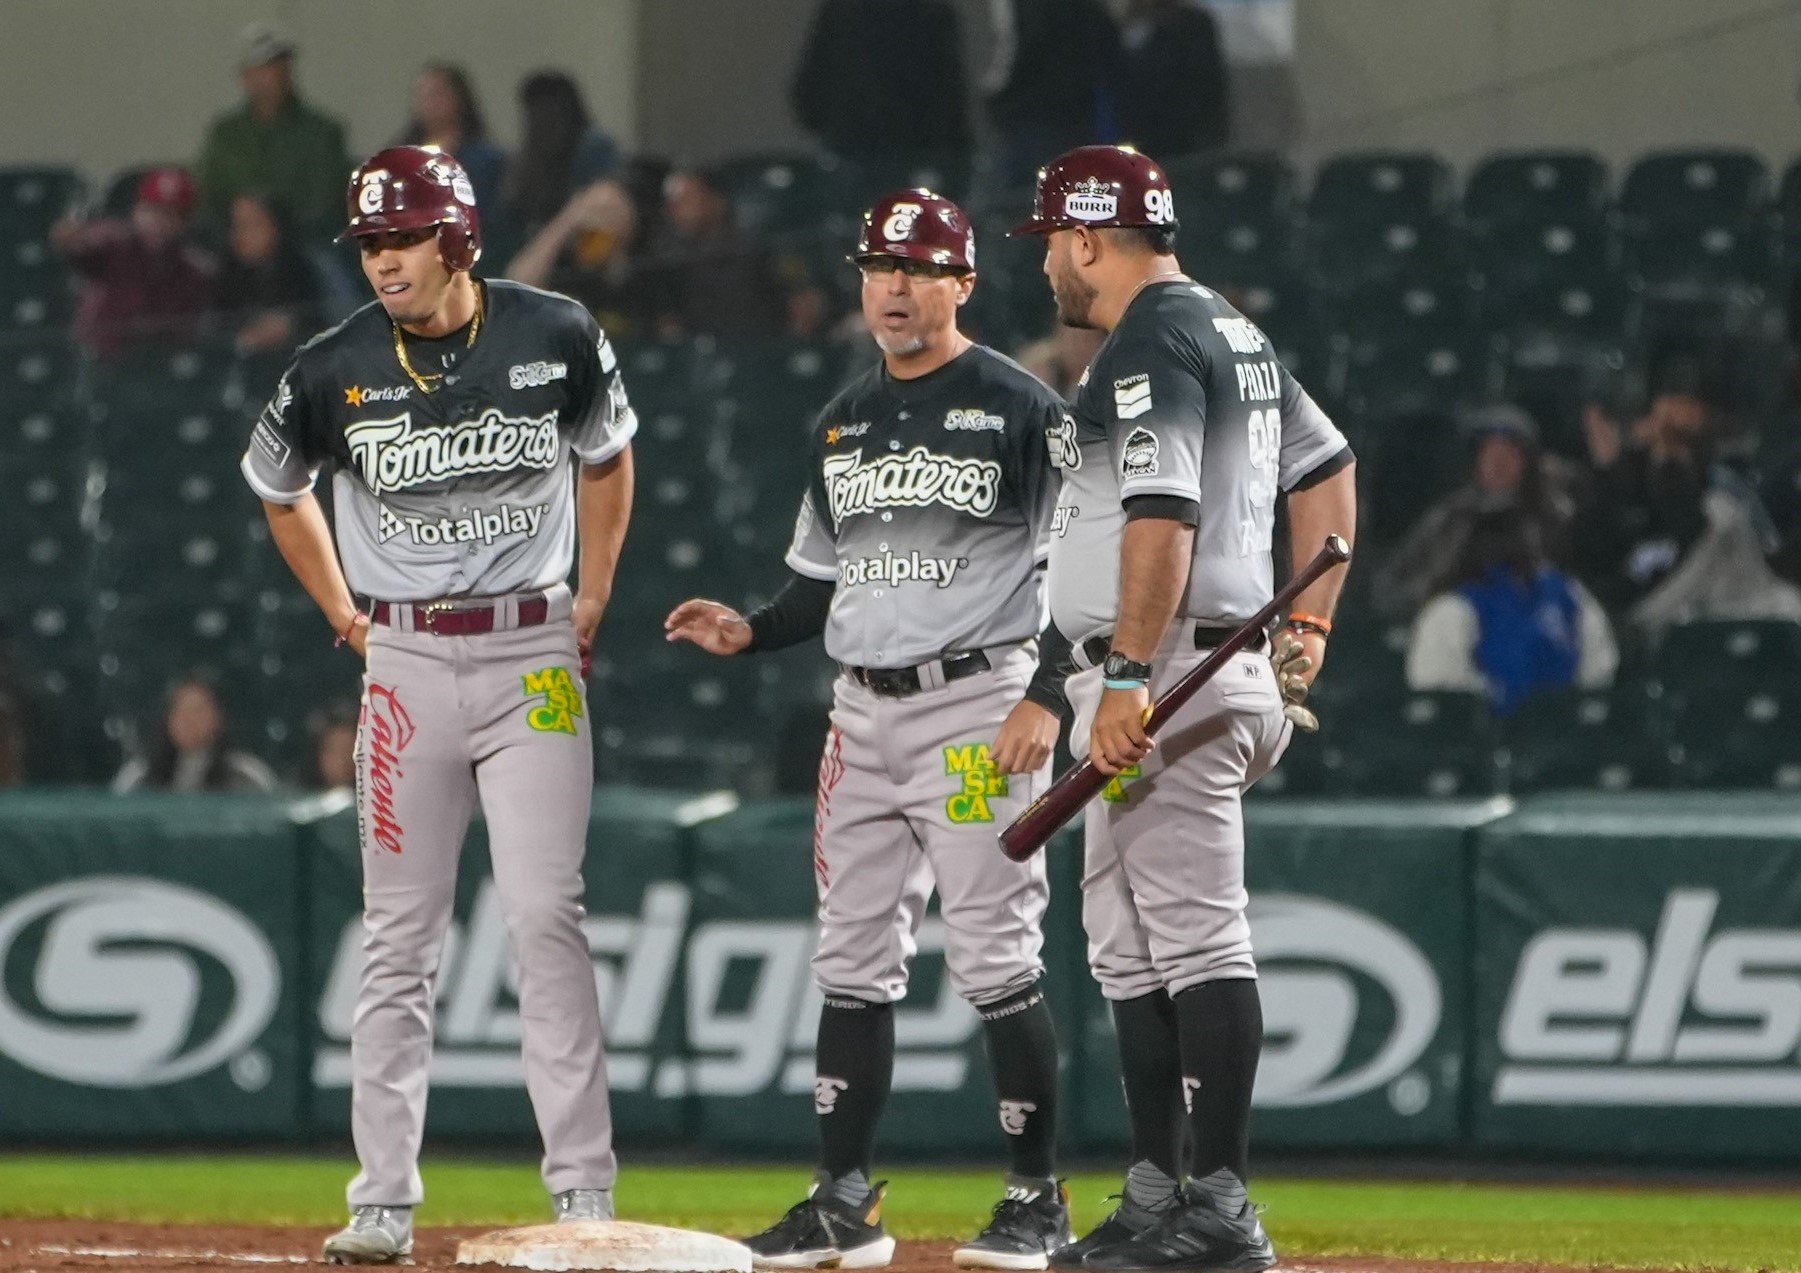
(898, 682)
(1206, 637)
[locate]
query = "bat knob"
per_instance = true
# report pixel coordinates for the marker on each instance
(1337, 548)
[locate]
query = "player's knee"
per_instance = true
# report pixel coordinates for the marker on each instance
(1219, 964)
(982, 979)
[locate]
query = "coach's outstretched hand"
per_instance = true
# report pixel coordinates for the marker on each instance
(714, 627)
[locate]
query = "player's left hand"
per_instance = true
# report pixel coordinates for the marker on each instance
(1117, 739)
(586, 617)
(1025, 740)
(1295, 658)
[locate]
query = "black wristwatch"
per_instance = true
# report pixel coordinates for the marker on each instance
(1120, 668)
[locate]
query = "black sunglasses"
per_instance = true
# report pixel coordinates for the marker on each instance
(881, 266)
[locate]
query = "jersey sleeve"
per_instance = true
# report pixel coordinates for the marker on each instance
(1156, 407)
(1034, 477)
(1309, 438)
(285, 453)
(814, 550)
(599, 416)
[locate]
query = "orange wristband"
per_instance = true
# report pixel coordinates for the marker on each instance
(1311, 623)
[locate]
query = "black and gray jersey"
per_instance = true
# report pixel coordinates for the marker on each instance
(1186, 398)
(928, 504)
(465, 491)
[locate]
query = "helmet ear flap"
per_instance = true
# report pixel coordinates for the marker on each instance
(459, 241)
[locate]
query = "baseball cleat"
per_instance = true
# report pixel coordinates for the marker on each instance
(375, 1235)
(823, 1232)
(1196, 1236)
(1030, 1222)
(583, 1204)
(1128, 1221)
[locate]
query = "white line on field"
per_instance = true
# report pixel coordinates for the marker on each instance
(127, 1253)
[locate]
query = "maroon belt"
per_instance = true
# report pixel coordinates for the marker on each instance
(442, 618)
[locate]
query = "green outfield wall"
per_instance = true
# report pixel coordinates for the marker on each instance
(1565, 975)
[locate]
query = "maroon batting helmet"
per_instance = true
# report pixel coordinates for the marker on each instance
(918, 226)
(1099, 186)
(411, 188)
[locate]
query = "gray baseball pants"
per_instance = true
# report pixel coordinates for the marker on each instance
(447, 720)
(1163, 897)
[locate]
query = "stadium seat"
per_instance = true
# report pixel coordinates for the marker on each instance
(1522, 256)
(1749, 738)
(1706, 256)
(1437, 745)
(32, 199)
(1421, 369)
(154, 387)
(1380, 188)
(1603, 740)
(1682, 187)
(674, 716)
(1536, 188)
(775, 193)
(38, 373)
(1584, 305)
(1347, 257)
(766, 402)
(1253, 188)
(36, 291)
(1729, 652)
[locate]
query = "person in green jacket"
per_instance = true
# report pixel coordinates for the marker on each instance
(275, 145)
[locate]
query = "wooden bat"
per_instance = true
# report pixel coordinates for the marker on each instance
(1045, 816)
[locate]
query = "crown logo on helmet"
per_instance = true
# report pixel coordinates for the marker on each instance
(1091, 199)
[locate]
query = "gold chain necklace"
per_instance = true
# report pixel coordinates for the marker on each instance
(406, 364)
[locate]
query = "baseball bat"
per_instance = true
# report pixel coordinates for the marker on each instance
(1045, 816)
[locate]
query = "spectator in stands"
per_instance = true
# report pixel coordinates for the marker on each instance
(702, 275)
(561, 153)
(191, 753)
(143, 280)
(446, 115)
(1511, 625)
(1173, 86)
(1508, 469)
(275, 144)
(1061, 357)
(269, 294)
(882, 81)
(1050, 88)
(586, 251)
(331, 765)
(1644, 507)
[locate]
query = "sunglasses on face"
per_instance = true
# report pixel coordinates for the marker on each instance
(883, 266)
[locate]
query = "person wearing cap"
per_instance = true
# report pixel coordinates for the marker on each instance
(1507, 469)
(916, 554)
(274, 143)
(143, 281)
(1182, 436)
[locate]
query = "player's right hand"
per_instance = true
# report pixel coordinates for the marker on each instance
(715, 628)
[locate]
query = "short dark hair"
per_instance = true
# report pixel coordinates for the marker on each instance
(1158, 240)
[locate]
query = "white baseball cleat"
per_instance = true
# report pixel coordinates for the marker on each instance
(375, 1235)
(584, 1204)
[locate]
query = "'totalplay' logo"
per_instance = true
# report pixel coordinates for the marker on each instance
(106, 984)
(1316, 960)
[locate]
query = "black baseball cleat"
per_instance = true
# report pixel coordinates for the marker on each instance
(1028, 1224)
(1196, 1237)
(1127, 1222)
(823, 1232)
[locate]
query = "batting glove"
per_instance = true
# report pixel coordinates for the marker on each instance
(1289, 661)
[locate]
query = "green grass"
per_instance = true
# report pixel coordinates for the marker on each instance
(1571, 1225)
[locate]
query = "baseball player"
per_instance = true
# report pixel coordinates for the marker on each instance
(1184, 429)
(917, 553)
(458, 416)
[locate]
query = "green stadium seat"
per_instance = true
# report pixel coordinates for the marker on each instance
(1679, 187)
(41, 439)
(32, 199)
(1422, 369)
(151, 388)
(1349, 256)
(1438, 745)
(38, 373)
(36, 292)
(1604, 740)
(673, 717)
(1250, 188)
(1536, 188)
(1729, 652)
(1588, 304)
(1381, 188)
(1749, 739)
(1514, 257)
(774, 193)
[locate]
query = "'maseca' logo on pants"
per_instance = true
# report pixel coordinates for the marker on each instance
(981, 782)
(562, 700)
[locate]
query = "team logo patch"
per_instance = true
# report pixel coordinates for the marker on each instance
(917, 479)
(269, 442)
(978, 783)
(357, 395)
(368, 199)
(1140, 456)
(1132, 396)
(1091, 200)
(1062, 443)
(901, 218)
(1013, 1116)
(562, 700)
(464, 192)
(528, 375)
(838, 432)
(1115, 791)
(973, 420)
(392, 455)
(825, 1093)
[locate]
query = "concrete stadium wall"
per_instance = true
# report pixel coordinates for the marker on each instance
(1463, 77)
(103, 84)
